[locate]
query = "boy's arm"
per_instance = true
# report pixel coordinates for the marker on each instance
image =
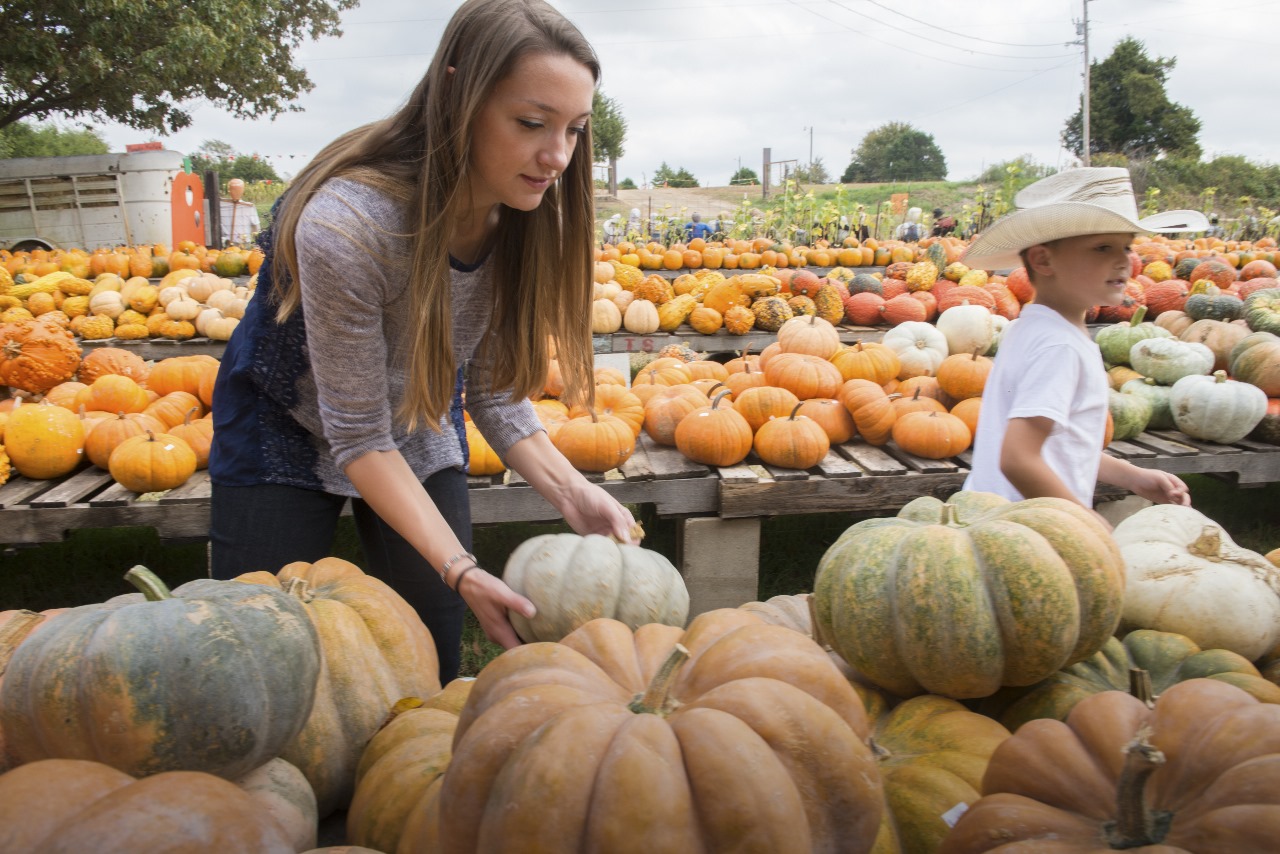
(1152, 484)
(1022, 463)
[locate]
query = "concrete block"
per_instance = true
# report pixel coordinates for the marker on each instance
(720, 561)
(1116, 512)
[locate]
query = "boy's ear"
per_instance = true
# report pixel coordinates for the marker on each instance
(1039, 258)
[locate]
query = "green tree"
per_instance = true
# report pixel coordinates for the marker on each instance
(674, 178)
(1129, 111)
(228, 163)
(896, 152)
(608, 128)
(137, 61)
(814, 173)
(1026, 167)
(744, 176)
(25, 139)
(627, 184)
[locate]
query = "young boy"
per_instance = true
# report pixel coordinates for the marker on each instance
(1044, 411)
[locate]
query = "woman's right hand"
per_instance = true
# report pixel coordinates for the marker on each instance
(490, 598)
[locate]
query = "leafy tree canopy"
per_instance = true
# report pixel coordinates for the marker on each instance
(228, 163)
(814, 173)
(1025, 167)
(627, 184)
(137, 61)
(1129, 111)
(674, 178)
(25, 139)
(608, 128)
(744, 176)
(896, 152)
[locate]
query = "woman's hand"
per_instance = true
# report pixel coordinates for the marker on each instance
(489, 598)
(590, 510)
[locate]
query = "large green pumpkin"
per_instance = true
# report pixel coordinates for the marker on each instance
(959, 599)
(1117, 340)
(1256, 360)
(1157, 396)
(1262, 310)
(1129, 412)
(216, 676)
(1168, 658)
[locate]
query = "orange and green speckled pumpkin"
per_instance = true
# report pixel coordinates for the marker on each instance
(933, 753)
(728, 735)
(216, 676)
(376, 651)
(963, 598)
(1168, 659)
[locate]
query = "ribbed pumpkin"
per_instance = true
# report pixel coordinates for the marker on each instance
(198, 434)
(809, 335)
(871, 408)
(216, 676)
(75, 805)
(43, 441)
(1198, 772)
(831, 416)
(932, 754)
(595, 442)
(803, 375)
(715, 436)
(758, 405)
(1166, 658)
(1117, 340)
(932, 435)
(920, 348)
(1215, 408)
(180, 373)
(172, 409)
(964, 375)
(152, 463)
(617, 401)
(115, 393)
(961, 598)
(107, 435)
(1256, 360)
(665, 409)
(375, 651)
(397, 783)
(728, 734)
(793, 442)
(867, 361)
(113, 360)
(1219, 337)
(572, 579)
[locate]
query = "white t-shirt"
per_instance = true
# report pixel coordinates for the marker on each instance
(246, 222)
(1045, 367)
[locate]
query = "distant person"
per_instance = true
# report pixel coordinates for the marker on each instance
(1214, 230)
(239, 218)
(942, 225)
(861, 229)
(909, 229)
(1043, 417)
(613, 229)
(633, 223)
(696, 228)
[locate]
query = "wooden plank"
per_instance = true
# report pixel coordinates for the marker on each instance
(74, 489)
(196, 490)
(48, 525)
(1261, 447)
(18, 490)
(833, 465)
(738, 474)
(480, 481)
(871, 459)
(638, 467)
(778, 472)
(1201, 446)
(1164, 446)
(965, 458)
(670, 464)
(514, 478)
(593, 476)
(821, 495)
(1131, 451)
(113, 496)
(921, 464)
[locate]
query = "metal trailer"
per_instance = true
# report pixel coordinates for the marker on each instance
(97, 200)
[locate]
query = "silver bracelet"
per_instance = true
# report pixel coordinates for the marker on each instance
(448, 564)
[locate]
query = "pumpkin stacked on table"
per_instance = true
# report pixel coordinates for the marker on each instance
(147, 424)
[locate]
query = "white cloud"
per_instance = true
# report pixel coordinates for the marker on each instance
(703, 86)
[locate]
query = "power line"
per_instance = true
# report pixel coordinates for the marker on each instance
(994, 91)
(933, 26)
(947, 44)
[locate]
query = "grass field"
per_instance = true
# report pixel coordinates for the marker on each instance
(89, 566)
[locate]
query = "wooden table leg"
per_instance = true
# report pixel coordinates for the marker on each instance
(720, 561)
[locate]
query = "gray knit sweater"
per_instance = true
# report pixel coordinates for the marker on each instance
(353, 254)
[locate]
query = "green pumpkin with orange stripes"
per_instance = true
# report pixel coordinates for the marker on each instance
(964, 597)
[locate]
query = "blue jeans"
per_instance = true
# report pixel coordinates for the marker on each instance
(266, 526)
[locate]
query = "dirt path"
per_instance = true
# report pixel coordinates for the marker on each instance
(708, 201)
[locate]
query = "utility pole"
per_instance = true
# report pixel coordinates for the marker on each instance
(810, 130)
(1082, 30)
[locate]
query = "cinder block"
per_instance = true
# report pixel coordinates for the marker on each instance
(720, 561)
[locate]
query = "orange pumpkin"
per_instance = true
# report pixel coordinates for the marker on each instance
(113, 360)
(197, 433)
(714, 436)
(793, 442)
(758, 405)
(664, 411)
(617, 401)
(932, 435)
(180, 373)
(43, 440)
(868, 361)
(35, 356)
(831, 416)
(967, 411)
(152, 462)
(964, 375)
(594, 442)
(803, 375)
(115, 393)
(872, 411)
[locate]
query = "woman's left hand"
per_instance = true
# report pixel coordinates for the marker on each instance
(590, 510)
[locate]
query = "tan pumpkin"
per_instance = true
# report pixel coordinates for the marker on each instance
(810, 335)
(701, 727)
(376, 650)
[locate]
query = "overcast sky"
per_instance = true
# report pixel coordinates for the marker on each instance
(708, 85)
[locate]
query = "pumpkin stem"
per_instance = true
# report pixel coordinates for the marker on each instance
(1140, 686)
(186, 421)
(715, 401)
(1138, 315)
(656, 700)
(792, 416)
(1219, 376)
(299, 589)
(880, 752)
(404, 704)
(949, 515)
(1208, 545)
(148, 582)
(1135, 825)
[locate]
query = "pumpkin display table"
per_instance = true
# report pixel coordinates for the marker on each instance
(719, 509)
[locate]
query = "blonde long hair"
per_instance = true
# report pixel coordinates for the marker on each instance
(542, 260)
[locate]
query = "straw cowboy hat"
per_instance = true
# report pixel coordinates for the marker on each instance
(1088, 200)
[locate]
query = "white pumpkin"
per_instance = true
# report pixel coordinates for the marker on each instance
(572, 580)
(212, 323)
(235, 308)
(920, 348)
(184, 308)
(607, 290)
(110, 303)
(623, 301)
(220, 299)
(1215, 408)
(641, 317)
(605, 317)
(1167, 360)
(200, 287)
(171, 293)
(967, 328)
(1186, 575)
(999, 323)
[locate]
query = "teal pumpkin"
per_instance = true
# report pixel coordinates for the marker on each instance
(216, 676)
(1157, 396)
(1117, 340)
(1212, 304)
(1262, 310)
(961, 602)
(865, 283)
(1130, 412)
